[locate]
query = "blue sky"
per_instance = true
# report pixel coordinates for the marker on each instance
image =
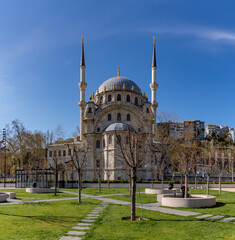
(40, 44)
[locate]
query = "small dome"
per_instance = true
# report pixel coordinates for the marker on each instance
(118, 82)
(118, 126)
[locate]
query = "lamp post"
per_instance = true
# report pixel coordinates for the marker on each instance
(5, 155)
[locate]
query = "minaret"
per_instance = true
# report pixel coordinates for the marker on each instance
(82, 85)
(154, 87)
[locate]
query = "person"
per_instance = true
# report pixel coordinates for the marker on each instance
(183, 190)
(171, 185)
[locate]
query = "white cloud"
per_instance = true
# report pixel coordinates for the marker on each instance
(210, 34)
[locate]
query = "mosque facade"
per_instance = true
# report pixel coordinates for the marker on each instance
(117, 105)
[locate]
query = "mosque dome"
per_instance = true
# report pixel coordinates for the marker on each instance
(118, 127)
(119, 83)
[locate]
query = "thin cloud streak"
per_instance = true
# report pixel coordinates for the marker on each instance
(215, 35)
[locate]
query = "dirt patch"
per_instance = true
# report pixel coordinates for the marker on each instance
(136, 219)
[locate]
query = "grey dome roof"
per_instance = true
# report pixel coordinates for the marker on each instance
(118, 126)
(119, 81)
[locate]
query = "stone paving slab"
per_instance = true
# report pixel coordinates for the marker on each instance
(204, 216)
(70, 238)
(88, 220)
(227, 219)
(91, 217)
(81, 228)
(214, 218)
(76, 233)
(84, 224)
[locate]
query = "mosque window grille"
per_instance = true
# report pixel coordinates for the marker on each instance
(119, 117)
(98, 144)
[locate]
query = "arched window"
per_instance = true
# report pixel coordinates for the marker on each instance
(128, 99)
(147, 110)
(128, 117)
(109, 98)
(97, 163)
(110, 139)
(98, 144)
(101, 99)
(119, 139)
(103, 143)
(136, 100)
(119, 117)
(119, 98)
(109, 117)
(89, 110)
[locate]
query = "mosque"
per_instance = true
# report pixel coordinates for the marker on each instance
(118, 105)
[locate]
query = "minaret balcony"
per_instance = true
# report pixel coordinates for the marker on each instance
(82, 85)
(154, 104)
(154, 85)
(82, 104)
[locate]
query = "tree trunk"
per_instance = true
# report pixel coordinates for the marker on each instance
(108, 181)
(130, 185)
(219, 184)
(181, 179)
(56, 181)
(152, 183)
(186, 186)
(195, 181)
(232, 172)
(133, 193)
(162, 184)
(79, 186)
(207, 184)
(99, 183)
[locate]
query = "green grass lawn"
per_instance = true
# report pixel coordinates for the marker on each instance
(46, 221)
(104, 191)
(225, 203)
(22, 195)
(140, 198)
(159, 226)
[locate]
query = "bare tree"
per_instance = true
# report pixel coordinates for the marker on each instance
(209, 159)
(99, 170)
(231, 157)
(56, 166)
(108, 173)
(221, 164)
(79, 159)
(186, 156)
(134, 151)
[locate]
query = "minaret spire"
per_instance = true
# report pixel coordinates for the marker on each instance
(154, 87)
(154, 62)
(82, 63)
(82, 85)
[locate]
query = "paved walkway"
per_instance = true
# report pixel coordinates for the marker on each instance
(153, 206)
(15, 201)
(84, 225)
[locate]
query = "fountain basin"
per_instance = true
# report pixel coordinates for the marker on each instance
(41, 190)
(160, 191)
(193, 201)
